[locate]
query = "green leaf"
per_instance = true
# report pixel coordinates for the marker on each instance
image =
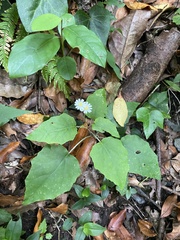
(151, 120)
(98, 102)
(89, 44)
(93, 229)
(173, 85)
(176, 17)
(80, 234)
(30, 10)
(67, 20)
(4, 216)
(67, 224)
(53, 172)
(112, 63)
(14, 229)
(105, 125)
(2, 233)
(177, 78)
(32, 53)
(66, 67)
(34, 236)
(131, 109)
(142, 159)
(58, 129)
(159, 101)
(45, 22)
(98, 21)
(111, 159)
(86, 201)
(86, 217)
(8, 113)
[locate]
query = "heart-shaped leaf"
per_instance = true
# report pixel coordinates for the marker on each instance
(53, 172)
(32, 53)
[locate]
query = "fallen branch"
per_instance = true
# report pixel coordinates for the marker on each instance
(149, 70)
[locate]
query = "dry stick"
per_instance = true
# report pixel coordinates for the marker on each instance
(149, 70)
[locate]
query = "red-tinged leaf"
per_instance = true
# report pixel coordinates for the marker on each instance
(7, 150)
(145, 228)
(175, 234)
(168, 205)
(39, 220)
(117, 221)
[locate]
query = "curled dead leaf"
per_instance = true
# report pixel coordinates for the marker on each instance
(7, 150)
(168, 205)
(120, 111)
(39, 220)
(117, 221)
(31, 118)
(61, 208)
(145, 228)
(175, 234)
(139, 6)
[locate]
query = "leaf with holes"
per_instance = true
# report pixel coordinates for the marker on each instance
(53, 172)
(142, 159)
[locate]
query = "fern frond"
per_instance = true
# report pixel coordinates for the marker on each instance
(8, 24)
(50, 73)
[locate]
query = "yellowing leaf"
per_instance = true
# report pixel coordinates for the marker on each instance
(139, 5)
(120, 111)
(32, 118)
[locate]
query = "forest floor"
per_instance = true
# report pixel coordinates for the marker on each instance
(152, 211)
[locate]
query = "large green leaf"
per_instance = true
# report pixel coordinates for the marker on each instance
(151, 119)
(105, 125)
(53, 172)
(160, 102)
(99, 104)
(58, 129)
(29, 10)
(89, 44)
(142, 159)
(8, 113)
(98, 21)
(32, 54)
(111, 158)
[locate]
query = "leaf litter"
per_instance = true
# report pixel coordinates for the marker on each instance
(123, 218)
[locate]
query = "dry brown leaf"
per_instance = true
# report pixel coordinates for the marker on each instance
(6, 128)
(134, 182)
(31, 118)
(117, 221)
(10, 201)
(61, 208)
(121, 13)
(120, 111)
(7, 150)
(83, 152)
(175, 234)
(82, 133)
(123, 233)
(39, 220)
(25, 159)
(145, 228)
(57, 96)
(139, 5)
(168, 205)
(129, 30)
(100, 237)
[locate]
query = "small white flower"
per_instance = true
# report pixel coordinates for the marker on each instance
(87, 108)
(79, 104)
(83, 106)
